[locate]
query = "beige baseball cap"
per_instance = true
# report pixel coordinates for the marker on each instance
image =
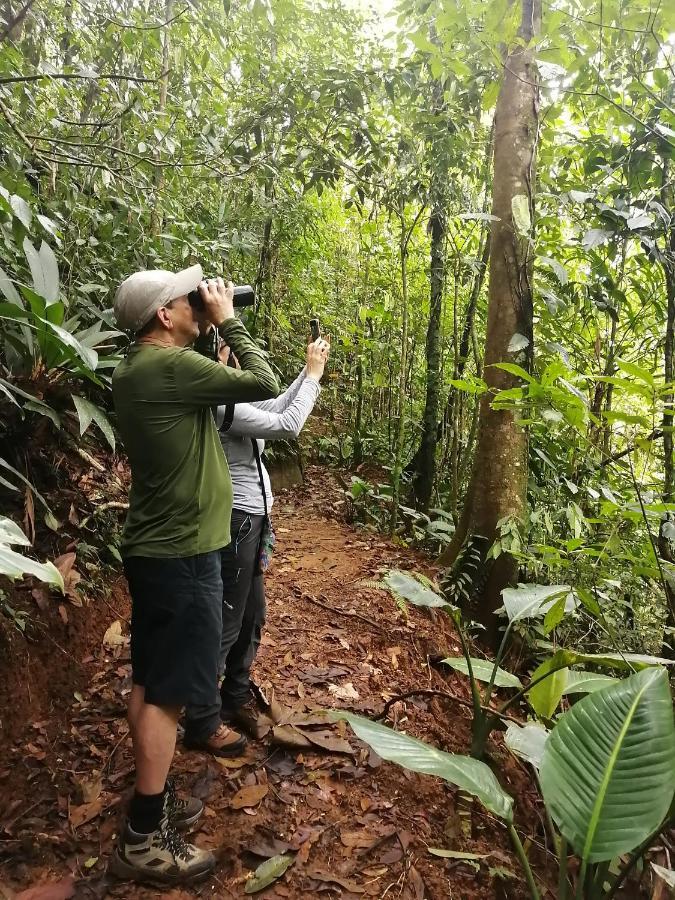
(140, 295)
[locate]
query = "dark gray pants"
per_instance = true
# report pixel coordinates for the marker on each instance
(243, 620)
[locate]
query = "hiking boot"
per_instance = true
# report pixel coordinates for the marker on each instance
(182, 814)
(162, 856)
(223, 742)
(257, 716)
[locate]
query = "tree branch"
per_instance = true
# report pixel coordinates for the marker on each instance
(74, 76)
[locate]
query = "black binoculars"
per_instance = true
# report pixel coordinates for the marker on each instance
(244, 295)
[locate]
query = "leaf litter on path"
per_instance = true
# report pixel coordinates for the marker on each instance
(344, 822)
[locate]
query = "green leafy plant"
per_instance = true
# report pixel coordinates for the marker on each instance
(15, 565)
(625, 735)
(549, 682)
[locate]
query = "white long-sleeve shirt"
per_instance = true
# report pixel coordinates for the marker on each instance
(282, 417)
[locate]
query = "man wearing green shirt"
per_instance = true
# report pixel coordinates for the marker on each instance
(179, 520)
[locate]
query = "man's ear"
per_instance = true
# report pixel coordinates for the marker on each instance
(164, 318)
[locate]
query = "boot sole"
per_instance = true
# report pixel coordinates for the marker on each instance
(122, 870)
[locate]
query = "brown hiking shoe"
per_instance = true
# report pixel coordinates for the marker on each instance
(162, 856)
(223, 742)
(258, 715)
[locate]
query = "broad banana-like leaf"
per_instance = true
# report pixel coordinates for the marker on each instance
(608, 770)
(587, 682)
(470, 775)
(530, 600)
(482, 671)
(527, 741)
(412, 590)
(16, 565)
(545, 696)
(10, 533)
(627, 662)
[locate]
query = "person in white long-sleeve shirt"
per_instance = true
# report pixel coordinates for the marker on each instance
(241, 429)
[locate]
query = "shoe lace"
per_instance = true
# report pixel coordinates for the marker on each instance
(174, 842)
(172, 802)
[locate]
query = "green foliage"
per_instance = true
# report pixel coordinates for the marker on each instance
(470, 775)
(15, 565)
(625, 736)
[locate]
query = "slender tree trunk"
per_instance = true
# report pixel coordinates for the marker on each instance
(402, 379)
(423, 480)
(156, 217)
(669, 349)
(497, 489)
(668, 399)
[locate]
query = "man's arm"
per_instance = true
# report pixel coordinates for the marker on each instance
(203, 382)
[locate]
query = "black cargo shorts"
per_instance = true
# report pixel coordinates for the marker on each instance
(176, 623)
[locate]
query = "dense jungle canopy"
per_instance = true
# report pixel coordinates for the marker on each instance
(345, 161)
(477, 200)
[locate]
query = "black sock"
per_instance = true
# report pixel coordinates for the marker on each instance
(145, 812)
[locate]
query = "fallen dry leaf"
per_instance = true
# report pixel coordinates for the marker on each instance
(328, 740)
(56, 890)
(359, 839)
(113, 636)
(80, 815)
(90, 790)
(416, 882)
(331, 878)
(235, 762)
(249, 796)
(344, 691)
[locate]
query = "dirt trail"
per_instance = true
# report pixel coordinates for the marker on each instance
(359, 827)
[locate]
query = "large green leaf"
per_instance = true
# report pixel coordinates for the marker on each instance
(44, 270)
(10, 533)
(626, 662)
(608, 770)
(16, 565)
(482, 671)
(88, 356)
(468, 774)
(268, 872)
(88, 412)
(545, 696)
(404, 585)
(527, 741)
(587, 682)
(530, 600)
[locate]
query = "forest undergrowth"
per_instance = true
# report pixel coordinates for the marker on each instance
(354, 826)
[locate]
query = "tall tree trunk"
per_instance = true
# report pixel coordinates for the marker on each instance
(400, 425)
(461, 358)
(423, 479)
(12, 28)
(425, 469)
(156, 217)
(669, 349)
(497, 489)
(665, 550)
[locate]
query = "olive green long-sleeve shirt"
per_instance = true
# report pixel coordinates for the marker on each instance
(181, 493)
